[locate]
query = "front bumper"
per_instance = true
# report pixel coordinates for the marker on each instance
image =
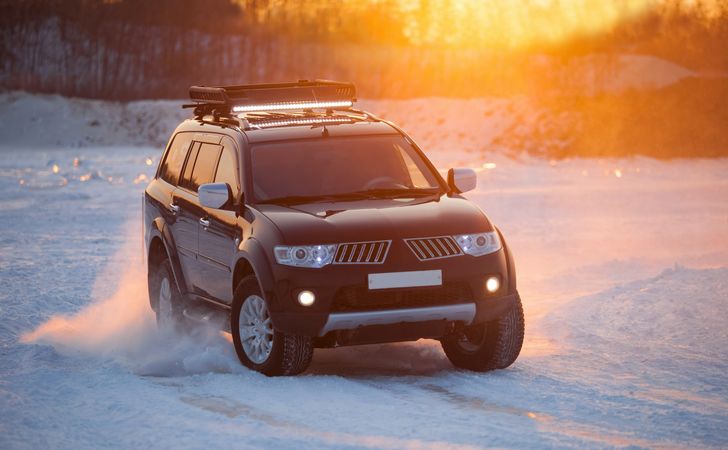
(319, 324)
(345, 303)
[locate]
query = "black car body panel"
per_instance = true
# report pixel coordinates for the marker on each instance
(322, 223)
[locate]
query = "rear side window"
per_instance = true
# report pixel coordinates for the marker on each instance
(176, 155)
(187, 175)
(205, 165)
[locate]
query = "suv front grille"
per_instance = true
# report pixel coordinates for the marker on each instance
(372, 252)
(434, 247)
(360, 298)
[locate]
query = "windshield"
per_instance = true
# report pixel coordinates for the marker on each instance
(330, 167)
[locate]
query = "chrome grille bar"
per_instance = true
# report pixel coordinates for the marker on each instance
(353, 250)
(368, 252)
(435, 247)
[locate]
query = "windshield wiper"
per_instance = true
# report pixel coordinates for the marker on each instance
(356, 195)
(301, 199)
(399, 193)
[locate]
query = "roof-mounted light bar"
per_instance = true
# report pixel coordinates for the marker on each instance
(287, 106)
(301, 121)
(303, 94)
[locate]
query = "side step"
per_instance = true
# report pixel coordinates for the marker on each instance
(208, 314)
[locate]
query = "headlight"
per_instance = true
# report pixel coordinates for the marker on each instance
(479, 244)
(305, 255)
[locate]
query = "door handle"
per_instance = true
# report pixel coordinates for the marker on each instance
(174, 208)
(204, 222)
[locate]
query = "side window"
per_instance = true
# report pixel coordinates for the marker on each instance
(176, 155)
(227, 170)
(187, 175)
(205, 165)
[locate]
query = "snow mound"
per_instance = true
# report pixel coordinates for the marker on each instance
(44, 121)
(681, 310)
(51, 121)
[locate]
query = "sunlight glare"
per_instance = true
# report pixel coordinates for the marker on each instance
(512, 24)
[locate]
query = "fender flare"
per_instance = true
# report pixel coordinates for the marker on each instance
(160, 230)
(252, 252)
(510, 263)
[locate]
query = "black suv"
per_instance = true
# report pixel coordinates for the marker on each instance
(293, 221)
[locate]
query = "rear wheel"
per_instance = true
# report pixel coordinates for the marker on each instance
(258, 345)
(166, 299)
(488, 346)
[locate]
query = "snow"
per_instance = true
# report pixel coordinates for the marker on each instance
(623, 268)
(51, 121)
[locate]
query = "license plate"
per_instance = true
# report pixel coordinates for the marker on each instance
(405, 279)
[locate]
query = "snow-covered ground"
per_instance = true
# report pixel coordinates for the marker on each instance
(623, 268)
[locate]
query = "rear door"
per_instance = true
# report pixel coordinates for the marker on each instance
(184, 229)
(164, 186)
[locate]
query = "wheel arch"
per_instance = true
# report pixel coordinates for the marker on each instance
(252, 260)
(161, 244)
(243, 268)
(510, 263)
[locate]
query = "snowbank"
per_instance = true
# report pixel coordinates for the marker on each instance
(49, 121)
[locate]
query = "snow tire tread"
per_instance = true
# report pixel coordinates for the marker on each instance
(291, 354)
(501, 347)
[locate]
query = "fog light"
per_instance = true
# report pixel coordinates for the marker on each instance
(306, 298)
(492, 284)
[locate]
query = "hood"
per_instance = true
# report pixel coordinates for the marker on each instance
(323, 223)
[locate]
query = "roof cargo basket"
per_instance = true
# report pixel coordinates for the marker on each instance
(303, 94)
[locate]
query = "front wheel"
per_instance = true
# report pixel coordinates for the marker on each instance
(258, 345)
(488, 346)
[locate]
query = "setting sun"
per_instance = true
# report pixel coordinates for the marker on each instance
(511, 24)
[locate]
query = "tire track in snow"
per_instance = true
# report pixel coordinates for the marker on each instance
(233, 409)
(547, 422)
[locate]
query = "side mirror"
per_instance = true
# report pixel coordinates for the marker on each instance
(214, 195)
(462, 180)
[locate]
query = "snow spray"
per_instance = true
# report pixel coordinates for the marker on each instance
(121, 327)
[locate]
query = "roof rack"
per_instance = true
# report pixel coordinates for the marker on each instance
(301, 95)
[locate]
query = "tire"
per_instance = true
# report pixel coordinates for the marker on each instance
(165, 297)
(277, 353)
(488, 346)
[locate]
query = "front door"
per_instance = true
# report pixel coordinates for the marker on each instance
(219, 233)
(216, 251)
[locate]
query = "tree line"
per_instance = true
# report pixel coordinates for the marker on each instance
(130, 49)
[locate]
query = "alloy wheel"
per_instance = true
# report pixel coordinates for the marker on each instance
(256, 329)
